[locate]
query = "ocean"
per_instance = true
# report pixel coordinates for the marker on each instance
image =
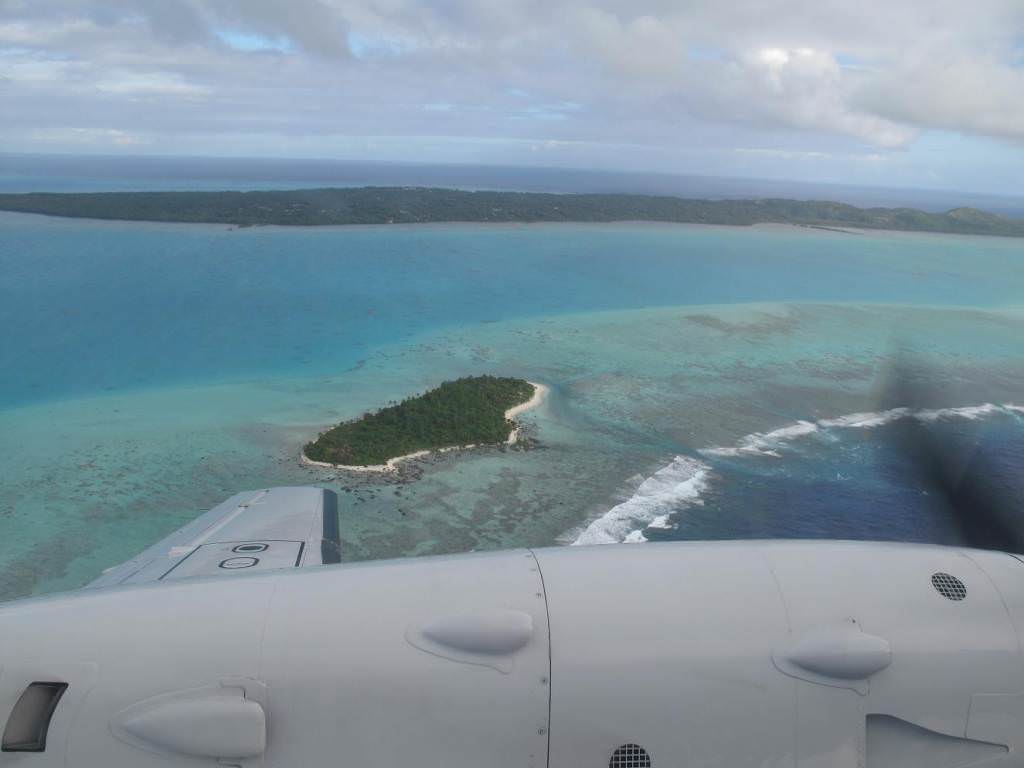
(706, 382)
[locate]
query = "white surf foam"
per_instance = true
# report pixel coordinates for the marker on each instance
(769, 443)
(928, 415)
(972, 412)
(764, 443)
(661, 521)
(682, 482)
(866, 420)
(679, 484)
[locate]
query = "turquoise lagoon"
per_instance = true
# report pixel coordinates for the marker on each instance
(699, 376)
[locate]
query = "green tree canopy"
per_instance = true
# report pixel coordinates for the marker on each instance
(466, 411)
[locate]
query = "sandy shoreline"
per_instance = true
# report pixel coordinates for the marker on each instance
(539, 393)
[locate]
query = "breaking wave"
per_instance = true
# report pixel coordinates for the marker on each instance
(764, 443)
(681, 483)
(769, 443)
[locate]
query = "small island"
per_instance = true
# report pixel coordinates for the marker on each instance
(465, 413)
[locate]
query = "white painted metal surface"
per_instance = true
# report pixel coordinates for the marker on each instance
(668, 647)
(218, 722)
(789, 654)
(116, 648)
(344, 680)
(252, 531)
(937, 644)
(839, 651)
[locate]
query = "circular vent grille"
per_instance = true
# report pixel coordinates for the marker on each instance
(630, 756)
(949, 586)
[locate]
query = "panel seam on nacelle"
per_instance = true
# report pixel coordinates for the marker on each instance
(1006, 609)
(547, 614)
(260, 653)
(789, 632)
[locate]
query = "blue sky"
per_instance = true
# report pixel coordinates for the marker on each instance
(910, 93)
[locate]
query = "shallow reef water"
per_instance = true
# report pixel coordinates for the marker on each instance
(706, 382)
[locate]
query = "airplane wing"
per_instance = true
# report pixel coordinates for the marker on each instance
(255, 530)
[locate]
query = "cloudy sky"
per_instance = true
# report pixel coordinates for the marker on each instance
(926, 93)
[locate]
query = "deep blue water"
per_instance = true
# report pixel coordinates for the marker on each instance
(858, 484)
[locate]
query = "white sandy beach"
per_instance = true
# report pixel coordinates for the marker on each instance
(540, 391)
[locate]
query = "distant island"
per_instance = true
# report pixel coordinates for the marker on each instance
(463, 413)
(419, 205)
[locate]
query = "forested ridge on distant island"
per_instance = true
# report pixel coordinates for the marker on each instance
(419, 205)
(467, 411)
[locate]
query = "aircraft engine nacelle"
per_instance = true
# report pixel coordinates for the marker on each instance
(835, 654)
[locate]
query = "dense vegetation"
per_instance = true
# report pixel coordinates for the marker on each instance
(461, 412)
(407, 205)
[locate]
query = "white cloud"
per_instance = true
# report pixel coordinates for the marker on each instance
(149, 84)
(970, 94)
(801, 88)
(782, 154)
(99, 137)
(643, 46)
(647, 79)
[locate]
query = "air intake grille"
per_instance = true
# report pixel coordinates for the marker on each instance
(630, 756)
(30, 719)
(949, 586)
